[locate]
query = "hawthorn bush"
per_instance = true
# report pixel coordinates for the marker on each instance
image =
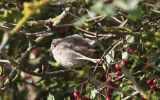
(128, 34)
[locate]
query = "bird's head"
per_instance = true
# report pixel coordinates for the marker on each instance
(54, 43)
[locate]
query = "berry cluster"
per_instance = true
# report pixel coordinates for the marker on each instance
(153, 86)
(118, 67)
(77, 96)
(118, 70)
(114, 76)
(110, 87)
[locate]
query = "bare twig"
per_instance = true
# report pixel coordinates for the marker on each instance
(95, 20)
(4, 28)
(28, 7)
(48, 74)
(42, 33)
(130, 96)
(135, 84)
(105, 53)
(117, 20)
(57, 20)
(75, 16)
(10, 60)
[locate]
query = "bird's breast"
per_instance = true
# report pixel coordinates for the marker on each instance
(65, 57)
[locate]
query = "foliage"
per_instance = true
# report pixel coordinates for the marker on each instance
(128, 32)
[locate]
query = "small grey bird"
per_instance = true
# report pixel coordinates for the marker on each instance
(72, 51)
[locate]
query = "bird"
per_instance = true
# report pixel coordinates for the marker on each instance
(73, 50)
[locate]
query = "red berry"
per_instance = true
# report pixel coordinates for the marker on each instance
(118, 73)
(153, 87)
(124, 62)
(108, 98)
(35, 51)
(141, 54)
(109, 91)
(103, 78)
(109, 81)
(129, 50)
(76, 94)
(117, 67)
(150, 81)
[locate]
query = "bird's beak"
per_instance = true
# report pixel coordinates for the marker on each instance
(49, 50)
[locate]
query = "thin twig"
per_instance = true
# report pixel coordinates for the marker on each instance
(105, 53)
(130, 96)
(135, 84)
(4, 28)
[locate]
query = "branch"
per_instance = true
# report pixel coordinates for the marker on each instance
(130, 96)
(135, 84)
(105, 53)
(29, 10)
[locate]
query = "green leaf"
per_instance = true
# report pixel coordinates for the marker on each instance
(101, 8)
(136, 14)
(155, 59)
(130, 39)
(126, 4)
(1, 70)
(54, 64)
(118, 98)
(97, 7)
(155, 96)
(125, 55)
(81, 21)
(110, 57)
(50, 97)
(94, 92)
(104, 67)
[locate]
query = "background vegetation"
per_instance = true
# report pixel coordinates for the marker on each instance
(129, 68)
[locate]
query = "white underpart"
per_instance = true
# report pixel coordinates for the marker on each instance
(70, 57)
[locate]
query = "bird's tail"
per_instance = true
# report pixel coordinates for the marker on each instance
(89, 59)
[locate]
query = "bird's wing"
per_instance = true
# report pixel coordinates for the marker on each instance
(79, 44)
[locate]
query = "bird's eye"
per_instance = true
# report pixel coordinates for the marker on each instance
(55, 45)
